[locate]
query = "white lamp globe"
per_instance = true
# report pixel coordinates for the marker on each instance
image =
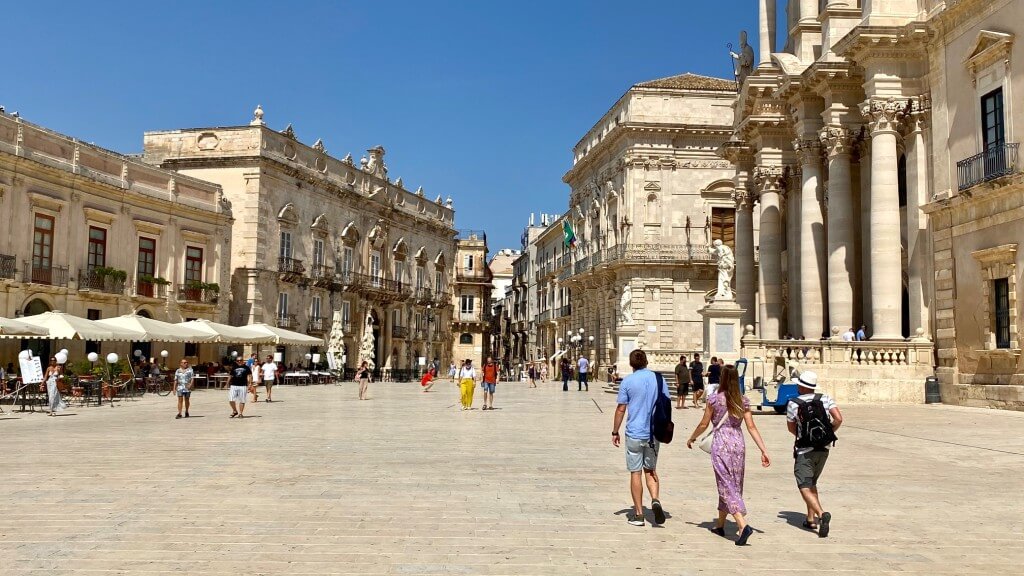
(93, 357)
(112, 358)
(234, 353)
(164, 353)
(25, 355)
(309, 356)
(64, 351)
(61, 357)
(137, 353)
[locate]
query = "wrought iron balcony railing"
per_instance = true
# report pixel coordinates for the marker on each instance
(318, 325)
(93, 279)
(287, 321)
(322, 275)
(50, 275)
(8, 266)
(197, 294)
(149, 289)
(994, 162)
(400, 332)
(290, 268)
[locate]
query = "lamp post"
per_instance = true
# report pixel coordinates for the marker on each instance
(163, 355)
(309, 361)
(93, 357)
(112, 359)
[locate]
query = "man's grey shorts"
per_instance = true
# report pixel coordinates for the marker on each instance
(640, 455)
(808, 467)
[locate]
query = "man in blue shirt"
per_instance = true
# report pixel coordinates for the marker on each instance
(861, 335)
(637, 394)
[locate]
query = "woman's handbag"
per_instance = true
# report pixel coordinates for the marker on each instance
(705, 441)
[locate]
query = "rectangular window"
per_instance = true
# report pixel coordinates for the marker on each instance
(723, 226)
(314, 308)
(419, 277)
(438, 282)
(282, 305)
(419, 321)
(286, 244)
(191, 348)
(1001, 292)
(193, 264)
(399, 271)
(97, 247)
(147, 257)
(318, 252)
(396, 318)
(375, 268)
(467, 304)
(993, 131)
(467, 262)
(346, 312)
(347, 255)
(42, 243)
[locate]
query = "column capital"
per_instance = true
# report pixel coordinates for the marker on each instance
(744, 198)
(769, 178)
(837, 140)
(920, 113)
(808, 150)
(884, 114)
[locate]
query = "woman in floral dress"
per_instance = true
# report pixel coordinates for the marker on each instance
(728, 450)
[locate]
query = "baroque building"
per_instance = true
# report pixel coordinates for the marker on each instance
(471, 298)
(98, 234)
(316, 235)
(648, 197)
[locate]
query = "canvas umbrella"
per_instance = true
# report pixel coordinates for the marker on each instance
(225, 334)
(156, 330)
(64, 326)
(15, 329)
(283, 337)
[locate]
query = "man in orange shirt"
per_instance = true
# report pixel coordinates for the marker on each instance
(489, 383)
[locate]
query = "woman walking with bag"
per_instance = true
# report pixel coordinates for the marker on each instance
(729, 410)
(363, 377)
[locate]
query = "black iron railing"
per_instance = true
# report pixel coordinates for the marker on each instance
(149, 289)
(400, 332)
(287, 321)
(290, 266)
(994, 162)
(322, 274)
(8, 266)
(94, 279)
(317, 325)
(51, 275)
(197, 294)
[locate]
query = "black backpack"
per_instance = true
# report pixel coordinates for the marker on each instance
(814, 428)
(662, 427)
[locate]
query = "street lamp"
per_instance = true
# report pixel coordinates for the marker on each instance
(164, 354)
(309, 360)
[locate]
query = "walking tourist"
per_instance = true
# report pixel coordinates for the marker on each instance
(54, 372)
(637, 395)
(238, 391)
(531, 373)
(452, 371)
(490, 382)
(714, 376)
(697, 379)
(565, 369)
(861, 335)
(812, 419)
(467, 381)
(849, 335)
(184, 383)
(682, 381)
(257, 379)
(251, 362)
(543, 372)
(427, 382)
(730, 410)
(584, 368)
(269, 369)
(363, 377)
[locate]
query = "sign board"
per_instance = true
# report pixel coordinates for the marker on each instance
(31, 370)
(316, 358)
(422, 360)
(331, 364)
(278, 356)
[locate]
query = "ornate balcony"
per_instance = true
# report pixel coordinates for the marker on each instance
(287, 321)
(150, 288)
(318, 325)
(290, 269)
(995, 162)
(420, 334)
(49, 275)
(197, 294)
(400, 332)
(322, 276)
(8, 266)
(97, 279)
(423, 296)
(379, 289)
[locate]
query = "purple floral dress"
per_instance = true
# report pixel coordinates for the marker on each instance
(728, 455)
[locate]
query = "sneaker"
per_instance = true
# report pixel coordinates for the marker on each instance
(659, 512)
(635, 519)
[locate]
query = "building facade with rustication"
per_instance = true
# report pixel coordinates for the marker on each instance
(648, 197)
(316, 235)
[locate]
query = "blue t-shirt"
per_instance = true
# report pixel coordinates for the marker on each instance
(637, 392)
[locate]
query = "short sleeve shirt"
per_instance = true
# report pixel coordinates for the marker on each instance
(467, 373)
(584, 365)
(269, 370)
(182, 378)
(793, 412)
(491, 373)
(682, 374)
(714, 373)
(638, 393)
(240, 375)
(697, 371)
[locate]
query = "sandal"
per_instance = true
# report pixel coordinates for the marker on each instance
(809, 525)
(233, 414)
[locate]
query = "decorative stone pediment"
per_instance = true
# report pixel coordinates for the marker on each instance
(652, 187)
(320, 225)
(97, 215)
(287, 215)
(439, 260)
(350, 234)
(989, 47)
(401, 249)
(421, 255)
(377, 234)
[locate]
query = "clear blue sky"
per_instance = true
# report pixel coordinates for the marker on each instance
(479, 100)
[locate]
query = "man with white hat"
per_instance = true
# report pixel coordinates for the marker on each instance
(813, 419)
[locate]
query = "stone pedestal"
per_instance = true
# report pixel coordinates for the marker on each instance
(626, 341)
(723, 328)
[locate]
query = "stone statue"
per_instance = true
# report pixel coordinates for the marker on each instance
(366, 346)
(626, 305)
(744, 60)
(726, 265)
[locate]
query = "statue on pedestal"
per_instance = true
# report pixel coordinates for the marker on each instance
(726, 265)
(625, 305)
(744, 59)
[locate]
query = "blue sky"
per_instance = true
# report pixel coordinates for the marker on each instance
(482, 100)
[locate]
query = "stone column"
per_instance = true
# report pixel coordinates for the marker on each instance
(841, 267)
(918, 253)
(813, 320)
(766, 29)
(791, 211)
(746, 285)
(769, 181)
(884, 234)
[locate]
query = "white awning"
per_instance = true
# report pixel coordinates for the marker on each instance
(285, 337)
(557, 355)
(156, 330)
(16, 329)
(63, 326)
(224, 334)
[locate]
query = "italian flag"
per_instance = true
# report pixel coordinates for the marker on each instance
(568, 236)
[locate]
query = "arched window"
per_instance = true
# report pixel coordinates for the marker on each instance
(652, 207)
(465, 338)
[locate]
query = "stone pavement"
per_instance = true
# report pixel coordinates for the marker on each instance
(405, 483)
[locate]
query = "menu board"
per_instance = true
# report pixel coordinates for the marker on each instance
(31, 370)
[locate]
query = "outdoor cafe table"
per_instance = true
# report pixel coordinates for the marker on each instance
(220, 380)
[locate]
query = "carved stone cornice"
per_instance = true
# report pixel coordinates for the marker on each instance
(884, 115)
(837, 140)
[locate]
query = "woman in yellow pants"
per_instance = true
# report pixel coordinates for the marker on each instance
(467, 383)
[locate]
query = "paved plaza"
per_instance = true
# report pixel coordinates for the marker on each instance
(405, 483)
